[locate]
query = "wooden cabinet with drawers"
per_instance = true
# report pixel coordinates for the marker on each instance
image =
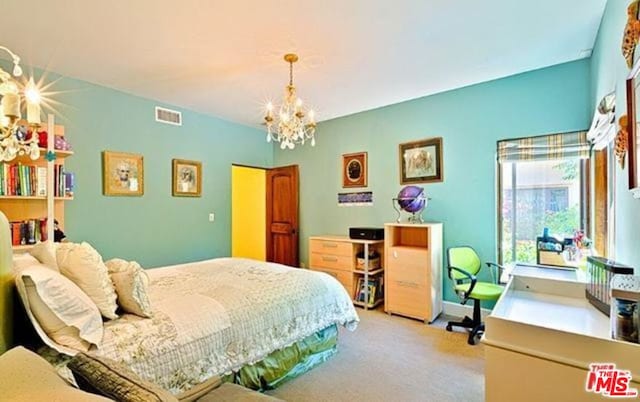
(413, 270)
(337, 256)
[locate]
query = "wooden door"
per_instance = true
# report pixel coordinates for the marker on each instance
(282, 215)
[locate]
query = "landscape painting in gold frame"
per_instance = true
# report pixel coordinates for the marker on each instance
(421, 161)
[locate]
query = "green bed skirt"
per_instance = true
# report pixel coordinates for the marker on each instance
(290, 362)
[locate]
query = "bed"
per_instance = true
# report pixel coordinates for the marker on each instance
(217, 316)
(256, 323)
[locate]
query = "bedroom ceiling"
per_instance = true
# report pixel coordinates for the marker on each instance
(224, 58)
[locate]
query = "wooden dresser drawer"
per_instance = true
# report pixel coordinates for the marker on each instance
(345, 278)
(408, 298)
(409, 265)
(330, 247)
(336, 262)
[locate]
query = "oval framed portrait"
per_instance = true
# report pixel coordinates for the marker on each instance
(354, 170)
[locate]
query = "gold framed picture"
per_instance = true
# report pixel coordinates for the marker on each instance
(122, 174)
(421, 161)
(354, 170)
(186, 178)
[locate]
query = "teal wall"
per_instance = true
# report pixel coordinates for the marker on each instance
(155, 229)
(609, 72)
(470, 120)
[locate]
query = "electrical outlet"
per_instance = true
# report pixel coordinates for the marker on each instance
(212, 217)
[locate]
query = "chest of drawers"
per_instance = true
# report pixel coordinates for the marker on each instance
(413, 270)
(337, 256)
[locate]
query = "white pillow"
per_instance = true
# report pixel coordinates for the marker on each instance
(45, 252)
(64, 317)
(23, 260)
(83, 265)
(131, 283)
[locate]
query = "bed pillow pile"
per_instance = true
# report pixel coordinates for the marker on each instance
(131, 283)
(83, 265)
(67, 289)
(60, 311)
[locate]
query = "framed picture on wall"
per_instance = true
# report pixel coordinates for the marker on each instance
(186, 178)
(421, 161)
(122, 174)
(354, 170)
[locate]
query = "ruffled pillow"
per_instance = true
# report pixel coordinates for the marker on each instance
(131, 283)
(45, 252)
(83, 265)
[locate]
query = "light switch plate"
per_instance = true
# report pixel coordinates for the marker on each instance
(212, 217)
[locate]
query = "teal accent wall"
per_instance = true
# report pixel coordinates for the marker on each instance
(609, 72)
(155, 229)
(470, 120)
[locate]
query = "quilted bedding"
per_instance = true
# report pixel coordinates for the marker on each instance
(215, 316)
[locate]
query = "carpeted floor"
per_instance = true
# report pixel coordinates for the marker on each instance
(390, 358)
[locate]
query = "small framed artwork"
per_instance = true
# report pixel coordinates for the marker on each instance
(122, 174)
(354, 170)
(186, 178)
(421, 161)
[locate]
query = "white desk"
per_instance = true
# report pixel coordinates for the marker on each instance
(542, 335)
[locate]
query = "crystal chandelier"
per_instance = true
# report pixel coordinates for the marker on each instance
(13, 132)
(293, 124)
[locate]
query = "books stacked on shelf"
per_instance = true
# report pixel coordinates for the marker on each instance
(29, 231)
(375, 290)
(31, 181)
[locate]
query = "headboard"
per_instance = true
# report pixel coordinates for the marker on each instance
(6, 286)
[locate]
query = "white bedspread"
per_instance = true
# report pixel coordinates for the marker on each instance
(215, 316)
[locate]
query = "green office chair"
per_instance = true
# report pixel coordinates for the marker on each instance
(463, 266)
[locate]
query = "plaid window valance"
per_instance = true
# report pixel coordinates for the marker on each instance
(545, 147)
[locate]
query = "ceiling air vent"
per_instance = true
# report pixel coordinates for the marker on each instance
(168, 116)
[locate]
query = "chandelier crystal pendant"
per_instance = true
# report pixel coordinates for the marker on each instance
(293, 124)
(14, 139)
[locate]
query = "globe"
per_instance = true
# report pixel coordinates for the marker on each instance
(412, 199)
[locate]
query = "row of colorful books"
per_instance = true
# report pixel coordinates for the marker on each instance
(29, 180)
(375, 288)
(29, 231)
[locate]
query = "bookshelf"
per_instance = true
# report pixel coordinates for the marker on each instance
(21, 208)
(413, 274)
(348, 261)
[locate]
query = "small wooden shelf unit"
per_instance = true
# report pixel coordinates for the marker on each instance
(336, 256)
(21, 208)
(413, 270)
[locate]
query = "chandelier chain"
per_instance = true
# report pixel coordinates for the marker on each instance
(290, 73)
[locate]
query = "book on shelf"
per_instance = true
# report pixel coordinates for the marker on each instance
(31, 181)
(374, 287)
(30, 231)
(41, 182)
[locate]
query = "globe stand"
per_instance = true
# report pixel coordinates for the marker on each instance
(414, 217)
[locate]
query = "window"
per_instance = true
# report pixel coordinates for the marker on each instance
(543, 183)
(548, 194)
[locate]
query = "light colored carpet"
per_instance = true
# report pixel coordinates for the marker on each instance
(390, 358)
